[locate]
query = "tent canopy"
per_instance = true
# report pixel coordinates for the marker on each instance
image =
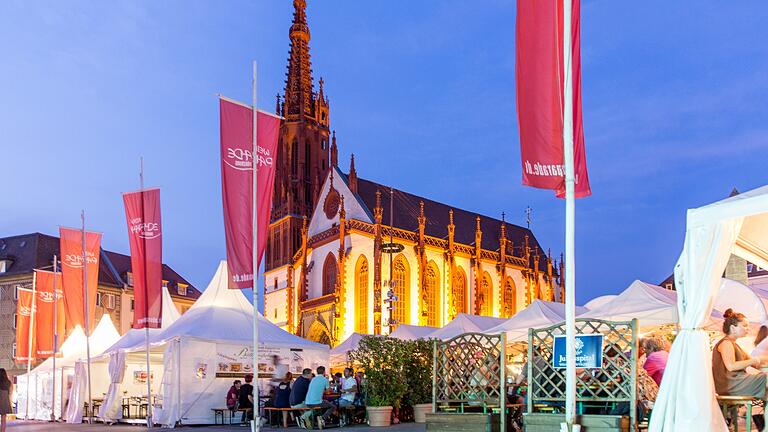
(538, 314)
(652, 306)
(339, 353)
(465, 323)
(741, 298)
(599, 301)
(412, 332)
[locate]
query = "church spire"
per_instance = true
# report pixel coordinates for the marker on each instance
(352, 175)
(298, 85)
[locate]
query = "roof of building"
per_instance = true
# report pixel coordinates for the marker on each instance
(406, 213)
(35, 251)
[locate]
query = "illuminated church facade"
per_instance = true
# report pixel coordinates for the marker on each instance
(345, 254)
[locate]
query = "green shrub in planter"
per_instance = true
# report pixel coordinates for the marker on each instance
(418, 371)
(382, 360)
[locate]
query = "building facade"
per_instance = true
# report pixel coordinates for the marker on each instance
(345, 254)
(21, 255)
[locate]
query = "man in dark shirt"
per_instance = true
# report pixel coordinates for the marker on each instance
(245, 399)
(299, 389)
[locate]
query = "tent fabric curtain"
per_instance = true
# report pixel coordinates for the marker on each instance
(111, 410)
(77, 394)
(686, 399)
(170, 412)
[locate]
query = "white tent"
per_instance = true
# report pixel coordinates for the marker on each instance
(739, 297)
(195, 359)
(652, 306)
(412, 332)
(465, 323)
(599, 301)
(737, 225)
(537, 314)
(339, 353)
(41, 378)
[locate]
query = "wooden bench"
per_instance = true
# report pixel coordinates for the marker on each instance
(272, 410)
(732, 404)
(219, 412)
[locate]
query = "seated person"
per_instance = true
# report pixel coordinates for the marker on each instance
(299, 390)
(348, 389)
(245, 397)
(314, 399)
(730, 362)
(233, 394)
(283, 395)
(656, 358)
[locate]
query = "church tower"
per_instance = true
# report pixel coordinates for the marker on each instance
(303, 149)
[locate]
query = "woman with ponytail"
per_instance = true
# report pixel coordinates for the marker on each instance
(730, 362)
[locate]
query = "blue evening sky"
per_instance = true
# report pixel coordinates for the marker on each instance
(675, 110)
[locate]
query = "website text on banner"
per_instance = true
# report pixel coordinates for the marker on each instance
(44, 330)
(539, 79)
(72, 273)
(142, 212)
(237, 185)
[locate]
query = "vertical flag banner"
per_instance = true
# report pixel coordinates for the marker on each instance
(24, 326)
(44, 325)
(142, 211)
(539, 79)
(72, 273)
(237, 185)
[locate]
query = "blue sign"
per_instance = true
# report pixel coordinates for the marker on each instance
(589, 351)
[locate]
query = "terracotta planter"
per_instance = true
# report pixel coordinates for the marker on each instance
(420, 412)
(379, 416)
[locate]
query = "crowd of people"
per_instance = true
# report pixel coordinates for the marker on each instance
(331, 397)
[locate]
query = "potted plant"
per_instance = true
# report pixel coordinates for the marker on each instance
(381, 359)
(418, 376)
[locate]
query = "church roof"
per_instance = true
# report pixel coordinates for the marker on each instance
(406, 212)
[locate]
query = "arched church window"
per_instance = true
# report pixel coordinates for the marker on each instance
(295, 157)
(459, 291)
(401, 275)
(485, 295)
(330, 272)
(510, 300)
(361, 295)
(432, 288)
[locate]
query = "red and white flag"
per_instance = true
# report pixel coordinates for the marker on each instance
(24, 325)
(539, 76)
(44, 324)
(237, 185)
(142, 212)
(71, 243)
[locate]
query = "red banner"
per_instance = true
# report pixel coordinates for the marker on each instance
(142, 211)
(237, 185)
(24, 324)
(539, 76)
(44, 324)
(72, 274)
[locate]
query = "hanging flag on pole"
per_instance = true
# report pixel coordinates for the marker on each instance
(71, 243)
(25, 341)
(142, 212)
(541, 92)
(237, 185)
(44, 317)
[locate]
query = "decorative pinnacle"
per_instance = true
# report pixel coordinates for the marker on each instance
(450, 216)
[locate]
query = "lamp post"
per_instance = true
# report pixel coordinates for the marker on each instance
(391, 248)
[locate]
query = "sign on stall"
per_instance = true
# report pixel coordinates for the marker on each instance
(589, 351)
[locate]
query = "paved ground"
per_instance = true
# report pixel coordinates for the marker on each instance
(29, 426)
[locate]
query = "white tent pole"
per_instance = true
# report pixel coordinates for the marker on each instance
(255, 423)
(570, 216)
(87, 325)
(31, 329)
(55, 339)
(146, 302)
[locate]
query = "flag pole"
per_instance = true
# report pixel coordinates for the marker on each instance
(29, 339)
(570, 216)
(87, 324)
(146, 301)
(255, 423)
(55, 340)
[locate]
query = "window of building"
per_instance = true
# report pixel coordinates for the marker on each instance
(510, 303)
(361, 294)
(5, 265)
(459, 292)
(295, 157)
(401, 275)
(323, 163)
(98, 299)
(15, 320)
(485, 296)
(669, 286)
(323, 144)
(132, 304)
(330, 272)
(432, 294)
(181, 289)
(129, 278)
(14, 350)
(16, 292)
(107, 300)
(275, 285)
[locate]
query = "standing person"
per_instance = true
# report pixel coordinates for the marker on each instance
(730, 362)
(299, 393)
(6, 389)
(245, 398)
(283, 396)
(233, 395)
(317, 387)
